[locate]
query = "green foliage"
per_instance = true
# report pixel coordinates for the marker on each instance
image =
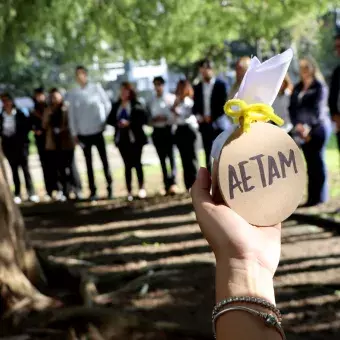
(324, 47)
(38, 37)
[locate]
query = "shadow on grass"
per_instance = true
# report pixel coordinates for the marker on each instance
(184, 295)
(317, 220)
(71, 214)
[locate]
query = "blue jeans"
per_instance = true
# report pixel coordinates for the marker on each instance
(314, 152)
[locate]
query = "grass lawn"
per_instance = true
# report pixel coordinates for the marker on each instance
(333, 165)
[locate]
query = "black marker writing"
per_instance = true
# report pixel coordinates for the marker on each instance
(261, 168)
(284, 161)
(234, 182)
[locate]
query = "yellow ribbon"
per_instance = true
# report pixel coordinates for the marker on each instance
(246, 114)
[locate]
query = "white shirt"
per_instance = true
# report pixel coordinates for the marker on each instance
(161, 106)
(207, 91)
(9, 123)
(88, 109)
(184, 113)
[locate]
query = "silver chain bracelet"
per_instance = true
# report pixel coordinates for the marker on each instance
(269, 319)
(249, 300)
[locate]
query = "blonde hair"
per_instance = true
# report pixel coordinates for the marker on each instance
(286, 84)
(244, 62)
(314, 68)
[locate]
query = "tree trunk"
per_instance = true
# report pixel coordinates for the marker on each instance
(19, 268)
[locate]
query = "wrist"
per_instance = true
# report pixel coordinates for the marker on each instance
(243, 278)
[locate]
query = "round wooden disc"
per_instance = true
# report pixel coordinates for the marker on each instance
(261, 174)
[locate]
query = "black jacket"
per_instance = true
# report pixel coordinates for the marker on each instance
(334, 92)
(23, 127)
(308, 109)
(218, 99)
(138, 117)
(36, 116)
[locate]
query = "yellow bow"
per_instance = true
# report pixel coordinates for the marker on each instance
(247, 114)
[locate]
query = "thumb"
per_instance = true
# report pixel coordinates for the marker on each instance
(200, 191)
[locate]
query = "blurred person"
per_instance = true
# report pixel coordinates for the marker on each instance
(59, 144)
(312, 129)
(210, 96)
(14, 129)
(282, 101)
(36, 116)
(186, 132)
(241, 68)
(128, 117)
(89, 106)
(163, 137)
(334, 92)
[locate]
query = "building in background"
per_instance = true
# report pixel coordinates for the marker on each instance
(140, 73)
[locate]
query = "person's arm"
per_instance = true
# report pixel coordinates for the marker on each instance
(64, 124)
(239, 277)
(292, 108)
(151, 117)
(197, 107)
(140, 114)
(46, 118)
(223, 97)
(104, 99)
(33, 120)
(147, 115)
(334, 92)
(246, 260)
(112, 117)
(29, 123)
(72, 119)
(320, 101)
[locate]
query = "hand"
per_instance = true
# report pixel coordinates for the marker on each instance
(207, 119)
(48, 111)
(123, 123)
(38, 132)
(200, 118)
(247, 256)
(300, 129)
(336, 120)
(177, 101)
(160, 118)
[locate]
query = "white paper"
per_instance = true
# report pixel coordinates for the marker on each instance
(260, 84)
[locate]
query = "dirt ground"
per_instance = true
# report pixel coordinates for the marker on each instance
(153, 262)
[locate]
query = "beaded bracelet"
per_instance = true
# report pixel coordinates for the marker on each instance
(269, 319)
(250, 300)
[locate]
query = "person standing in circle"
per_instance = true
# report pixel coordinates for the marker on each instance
(312, 127)
(281, 103)
(36, 116)
(128, 117)
(163, 137)
(14, 129)
(59, 143)
(210, 96)
(89, 106)
(186, 132)
(241, 68)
